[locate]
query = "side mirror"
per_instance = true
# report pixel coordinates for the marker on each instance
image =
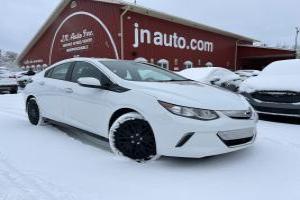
(89, 82)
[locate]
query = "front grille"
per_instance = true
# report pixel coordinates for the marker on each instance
(285, 111)
(237, 137)
(237, 142)
(277, 96)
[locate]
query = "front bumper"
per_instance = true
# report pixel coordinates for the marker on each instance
(183, 137)
(270, 108)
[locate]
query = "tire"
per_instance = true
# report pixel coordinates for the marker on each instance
(131, 136)
(33, 112)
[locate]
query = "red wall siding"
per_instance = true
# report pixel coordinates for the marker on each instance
(103, 40)
(222, 55)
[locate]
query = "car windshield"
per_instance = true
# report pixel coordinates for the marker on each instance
(134, 71)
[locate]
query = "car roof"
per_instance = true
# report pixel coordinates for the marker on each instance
(82, 59)
(87, 59)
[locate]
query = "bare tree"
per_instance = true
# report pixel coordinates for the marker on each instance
(8, 59)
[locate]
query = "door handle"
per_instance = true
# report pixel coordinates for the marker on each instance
(68, 90)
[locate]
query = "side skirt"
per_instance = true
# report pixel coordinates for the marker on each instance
(74, 129)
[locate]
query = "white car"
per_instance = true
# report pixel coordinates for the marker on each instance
(213, 75)
(276, 91)
(7, 83)
(144, 111)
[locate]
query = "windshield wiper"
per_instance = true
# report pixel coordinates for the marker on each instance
(176, 80)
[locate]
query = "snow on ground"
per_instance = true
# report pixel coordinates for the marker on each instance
(44, 163)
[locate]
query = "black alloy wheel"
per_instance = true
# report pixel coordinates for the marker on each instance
(134, 139)
(33, 112)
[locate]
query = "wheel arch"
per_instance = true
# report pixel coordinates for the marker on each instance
(27, 100)
(119, 113)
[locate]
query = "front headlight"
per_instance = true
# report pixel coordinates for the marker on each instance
(194, 113)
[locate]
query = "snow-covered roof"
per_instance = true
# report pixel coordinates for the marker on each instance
(133, 8)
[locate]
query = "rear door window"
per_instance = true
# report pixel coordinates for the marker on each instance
(60, 72)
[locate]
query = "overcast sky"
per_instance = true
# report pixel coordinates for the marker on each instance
(270, 21)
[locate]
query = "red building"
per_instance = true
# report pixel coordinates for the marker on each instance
(115, 29)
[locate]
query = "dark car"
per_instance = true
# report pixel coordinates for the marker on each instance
(276, 91)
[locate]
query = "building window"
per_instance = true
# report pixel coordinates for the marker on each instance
(141, 59)
(209, 64)
(188, 64)
(39, 68)
(163, 63)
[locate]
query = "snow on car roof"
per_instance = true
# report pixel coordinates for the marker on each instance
(203, 73)
(197, 73)
(284, 67)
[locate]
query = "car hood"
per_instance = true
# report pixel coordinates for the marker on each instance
(192, 94)
(271, 83)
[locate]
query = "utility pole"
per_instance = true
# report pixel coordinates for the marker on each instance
(134, 1)
(296, 39)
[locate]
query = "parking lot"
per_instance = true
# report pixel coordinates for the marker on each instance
(46, 163)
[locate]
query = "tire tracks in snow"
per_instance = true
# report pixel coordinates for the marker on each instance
(15, 185)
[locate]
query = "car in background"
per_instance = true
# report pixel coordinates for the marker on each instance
(245, 74)
(23, 77)
(276, 91)
(142, 110)
(7, 82)
(213, 75)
